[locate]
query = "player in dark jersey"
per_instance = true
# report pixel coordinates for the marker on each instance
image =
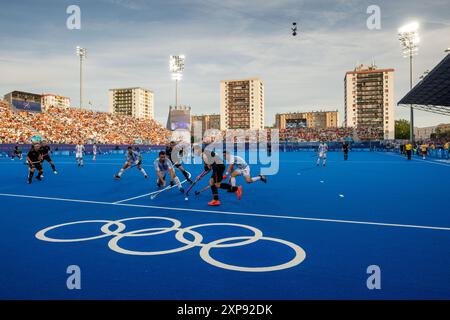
(216, 165)
(34, 158)
(17, 152)
(176, 158)
(44, 150)
(345, 148)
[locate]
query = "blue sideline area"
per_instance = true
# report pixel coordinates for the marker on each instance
(310, 232)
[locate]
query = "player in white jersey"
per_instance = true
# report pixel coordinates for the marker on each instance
(79, 150)
(94, 152)
(134, 159)
(238, 167)
(322, 153)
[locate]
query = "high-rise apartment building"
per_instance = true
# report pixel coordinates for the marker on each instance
(369, 100)
(205, 122)
(135, 102)
(54, 100)
(313, 119)
(242, 104)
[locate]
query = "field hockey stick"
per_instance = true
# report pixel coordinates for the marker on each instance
(207, 188)
(199, 177)
(134, 165)
(203, 190)
(157, 193)
(33, 162)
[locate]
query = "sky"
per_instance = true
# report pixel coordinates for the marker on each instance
(129, 41)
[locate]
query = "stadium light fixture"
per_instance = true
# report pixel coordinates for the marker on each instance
(176, 67)
(81, 52)
(447, 50)
(409, 40)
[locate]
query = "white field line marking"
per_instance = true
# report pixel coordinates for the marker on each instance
(231, 213)
(338, 162)
(417, 160)
(134, 198)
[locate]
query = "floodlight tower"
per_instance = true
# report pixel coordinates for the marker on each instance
(176, 67)
(409, 39)
(81, 52)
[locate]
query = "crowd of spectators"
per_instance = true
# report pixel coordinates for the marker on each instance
(329, 134)
(70, 125)
(297, 135)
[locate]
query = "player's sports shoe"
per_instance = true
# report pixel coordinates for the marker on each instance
(214, 203)
(239, 192)
(29, 181)
(172, 183)
(181, 190)
(189, 180)
(263, 178)
(39, 178)
(117, 177)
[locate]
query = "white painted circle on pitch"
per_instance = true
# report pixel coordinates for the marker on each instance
(300, 255)
(113, 243)
(41, 234)
(175, 226)
(257, 234)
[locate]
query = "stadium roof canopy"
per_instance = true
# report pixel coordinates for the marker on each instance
(433, 92)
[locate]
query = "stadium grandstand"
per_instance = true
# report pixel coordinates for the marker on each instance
(329, 134)
(432, 94)
(69, 125)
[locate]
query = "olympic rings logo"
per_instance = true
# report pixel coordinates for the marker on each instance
(205, 248)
